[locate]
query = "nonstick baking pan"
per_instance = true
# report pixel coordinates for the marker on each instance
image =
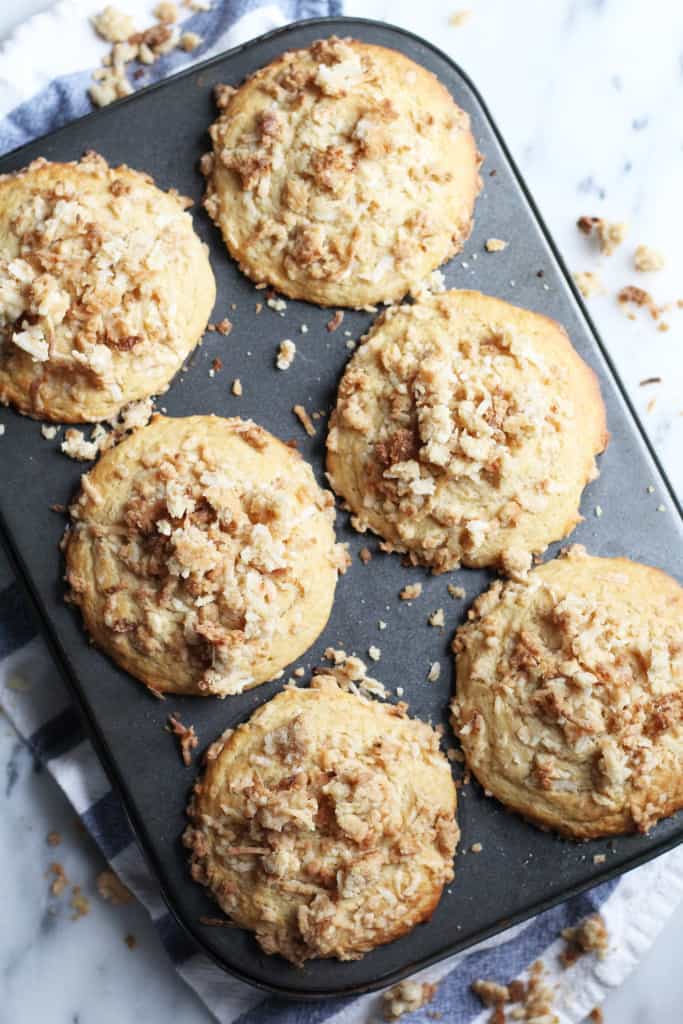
(520, 870)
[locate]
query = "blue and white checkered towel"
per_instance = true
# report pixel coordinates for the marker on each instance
(36, 97)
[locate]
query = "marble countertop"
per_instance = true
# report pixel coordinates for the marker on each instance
(588, 94)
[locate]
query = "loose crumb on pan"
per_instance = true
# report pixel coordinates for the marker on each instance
(276, 303)
(437, 618)
(285, 354)
(130, 941)
(647, 259)
(610, 234)
(53, 839)
(223, 326)
(111, 888)
(134, 415)
(596, 1016)
(476, 848)
(374, 653)
(406, 997)
(599, 858)
(434, 672)
(187, 737)
(365, 555)
(495, 245)
(237, 387)
(588, 283)
(335, 321)
(77, 447)
(49, 432)
(589, 936)
(457, 593)
(410, 591)
(351, 673)
(305, 420)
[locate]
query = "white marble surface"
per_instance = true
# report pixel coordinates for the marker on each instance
(589, 96)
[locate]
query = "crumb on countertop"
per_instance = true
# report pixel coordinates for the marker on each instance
(588, 283)
(589, 936)
(460, 17)
(111, 888)
(406, 997)
(610, 234)
(79, 903)
(647, 259)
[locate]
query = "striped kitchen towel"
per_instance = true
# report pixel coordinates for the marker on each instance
(37, 95)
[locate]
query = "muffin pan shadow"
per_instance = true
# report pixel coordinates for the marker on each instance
(520, 870)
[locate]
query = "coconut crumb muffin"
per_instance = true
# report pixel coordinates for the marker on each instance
(465, 431)
(104, 288)
(325, 824)
(569, 694)
(342, 174)
(202, 555)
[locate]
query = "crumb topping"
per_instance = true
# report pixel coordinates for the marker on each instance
(325, 840)
(319, 174)
(201, 563)
(574, 693)
(84, 288)
(454, 425)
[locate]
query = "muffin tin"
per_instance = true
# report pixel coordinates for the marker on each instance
(520, 870)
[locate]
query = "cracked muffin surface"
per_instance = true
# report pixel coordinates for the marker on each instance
(202, 555)
(464, 432)
(104, 288)
(569, 694)
(325, 824)
(342, 174)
